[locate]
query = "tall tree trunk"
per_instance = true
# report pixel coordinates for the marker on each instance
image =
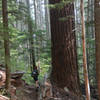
(31, 41)
(84, 53)
(64, 58)
(87, 35)
(36, 28)
(47, 19)
(90, 36)
(97, 36)
(35, 11)
(6, 42)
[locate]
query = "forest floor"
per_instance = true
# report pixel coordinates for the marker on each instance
(20, 90)
(26, 92)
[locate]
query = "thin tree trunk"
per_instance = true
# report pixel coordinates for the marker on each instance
(31, 41)
(84, 53)
(47, 19)
(87, 35)
(36, 28)
(97, 37)
(35, 9)
(6, 42)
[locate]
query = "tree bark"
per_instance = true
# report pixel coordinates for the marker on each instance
(97, 37)
(84, 53)
(35, 11)
(64, 58)
(31, 41)
(47, 19)
(6, 42)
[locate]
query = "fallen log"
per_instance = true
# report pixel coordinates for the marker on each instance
(16, 79)
(17, 75)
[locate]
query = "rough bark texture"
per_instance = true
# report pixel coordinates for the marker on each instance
(64, 59)
(6, 42)
(97, 36)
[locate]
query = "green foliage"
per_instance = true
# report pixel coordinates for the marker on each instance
(60, 4)
(19, 18)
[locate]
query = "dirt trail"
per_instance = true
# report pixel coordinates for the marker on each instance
(27, 93)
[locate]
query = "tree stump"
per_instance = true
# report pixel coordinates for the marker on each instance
(2, 78)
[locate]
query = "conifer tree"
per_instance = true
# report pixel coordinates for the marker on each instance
(64, 58)
(84, 52)
(31, 41)
(6, 42)
(97, 37)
